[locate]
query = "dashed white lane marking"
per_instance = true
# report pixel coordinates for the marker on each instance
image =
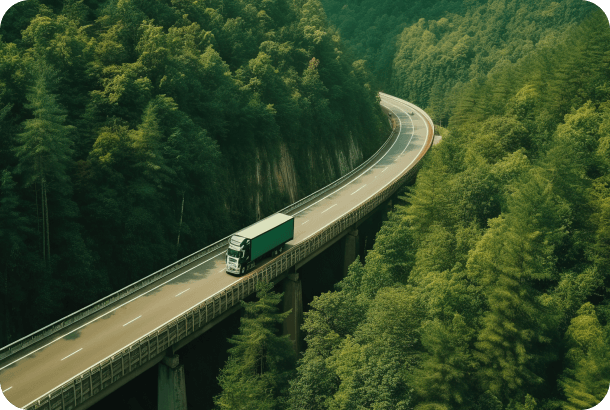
(220, 271)
(7, 389)
(118, 307)
(132, 321)
(365, 171)
(411, 163)
(330, 207)
(358, 189)
(384, 169)
(305, 222)
(185, 290)
(71, 354)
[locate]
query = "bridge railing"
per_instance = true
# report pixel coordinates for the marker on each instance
(416, 108)
(106, 301)
(95, 307)
(339, 181)
(101, 375)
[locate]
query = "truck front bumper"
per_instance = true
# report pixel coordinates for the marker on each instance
(232, 271)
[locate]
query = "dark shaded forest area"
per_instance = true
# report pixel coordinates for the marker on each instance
(134, 133)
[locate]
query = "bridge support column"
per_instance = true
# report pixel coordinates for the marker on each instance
(171, 392)
(352, 245)
(293, 299)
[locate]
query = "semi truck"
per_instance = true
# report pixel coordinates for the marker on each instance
(251, 244)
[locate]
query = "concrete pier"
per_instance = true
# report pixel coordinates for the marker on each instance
(172, 388)
(293, 299)
(388, 207)
(352, 245)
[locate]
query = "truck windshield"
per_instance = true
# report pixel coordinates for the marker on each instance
(235, 254)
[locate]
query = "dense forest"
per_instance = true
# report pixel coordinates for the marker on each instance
(489, 286)
(134, 133)
(428, 51)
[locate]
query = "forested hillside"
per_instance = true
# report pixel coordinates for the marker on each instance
(428, 51)
(488, 288)
(133, 133)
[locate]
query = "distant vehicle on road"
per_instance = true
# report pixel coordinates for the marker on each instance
(250, 245)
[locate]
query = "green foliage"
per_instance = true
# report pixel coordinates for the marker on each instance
(587, 375)
(260, 363)
(600, 219)
(14, 228)
(333, 316)
(444, 62)
(366, 369)
(441, 379)
(44, 148)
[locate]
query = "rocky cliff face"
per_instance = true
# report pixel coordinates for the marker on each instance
(282, 176)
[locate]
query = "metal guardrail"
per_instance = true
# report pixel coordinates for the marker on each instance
(104, 302)
(419, 110)
(93, 308)
(339, 181)
(101, 375)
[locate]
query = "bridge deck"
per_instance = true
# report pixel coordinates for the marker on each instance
(46, 365)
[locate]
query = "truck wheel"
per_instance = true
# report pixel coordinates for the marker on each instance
(243, 270)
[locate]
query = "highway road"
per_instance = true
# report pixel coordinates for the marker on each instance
(44, 366)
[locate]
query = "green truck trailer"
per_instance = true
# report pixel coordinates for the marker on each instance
(250, 245)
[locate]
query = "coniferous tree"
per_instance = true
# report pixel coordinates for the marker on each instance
(515, 254)
(14, 228)
(45, 149)
(443, 379)
(260, 363)
(587, 375)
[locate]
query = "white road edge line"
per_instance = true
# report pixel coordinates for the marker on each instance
(70, 355)
(358, 189)
(187, 289)
(80, 327)
(329, 208)
(7, 389)
(373, 194)
(363, 172)
(160, 326)
(132, 321)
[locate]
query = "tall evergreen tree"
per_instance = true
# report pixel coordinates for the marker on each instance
(14, 227)
(260, 362)
(587, 375)
(512, 258)
(45, 149)
(442, 381)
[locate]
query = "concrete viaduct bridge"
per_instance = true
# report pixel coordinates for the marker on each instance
(78, 360)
